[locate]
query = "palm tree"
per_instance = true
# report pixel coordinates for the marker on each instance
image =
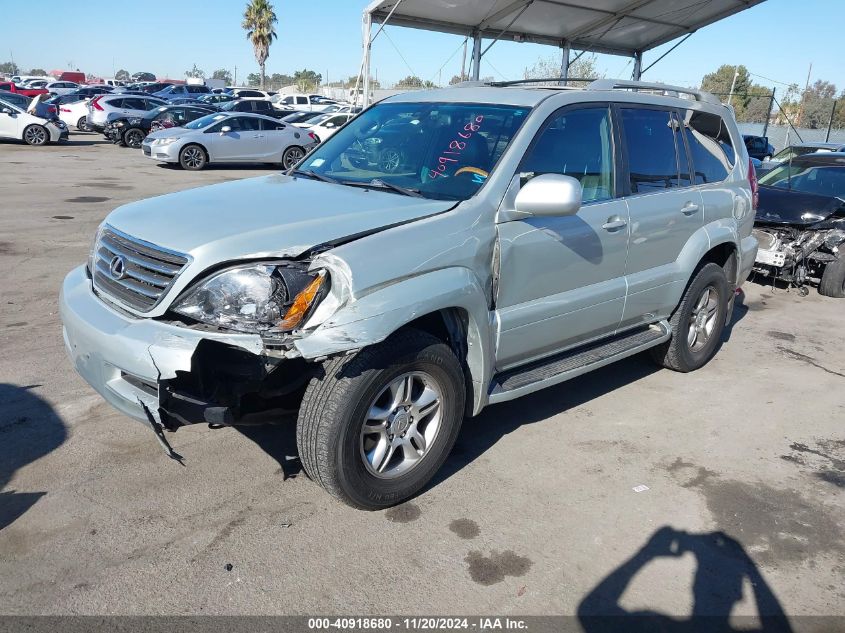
(259, 19)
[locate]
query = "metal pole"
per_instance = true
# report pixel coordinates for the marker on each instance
(769, 114)
(368, 25)
(476, 56)
(830, 121)
(464, 61)
(638, 64)
(564, 63)
(733, 85)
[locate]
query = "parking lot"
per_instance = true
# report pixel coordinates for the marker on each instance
(535, 512)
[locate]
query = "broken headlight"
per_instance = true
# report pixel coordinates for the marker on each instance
(255, 298)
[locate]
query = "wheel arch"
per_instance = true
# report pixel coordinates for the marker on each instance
(448, 303)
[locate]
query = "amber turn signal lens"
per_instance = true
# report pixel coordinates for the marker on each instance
(293, 317)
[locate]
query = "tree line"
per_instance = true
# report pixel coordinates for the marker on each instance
(809, 108)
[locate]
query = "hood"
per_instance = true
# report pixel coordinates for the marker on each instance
(171, 132)
(269, 216)
(787, 206)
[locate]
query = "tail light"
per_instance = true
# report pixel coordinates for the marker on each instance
(755, 188)
(51, 109)
(65, 109)
(313, 137)
(95, 103)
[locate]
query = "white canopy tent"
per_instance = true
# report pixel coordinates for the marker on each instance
(617, 27)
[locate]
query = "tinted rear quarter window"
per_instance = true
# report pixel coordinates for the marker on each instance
(710, 146)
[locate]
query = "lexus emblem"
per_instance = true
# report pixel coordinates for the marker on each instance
(117, 267)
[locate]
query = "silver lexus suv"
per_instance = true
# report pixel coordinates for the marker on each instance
(443, 251)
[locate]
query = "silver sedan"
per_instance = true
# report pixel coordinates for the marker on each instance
(230, 138)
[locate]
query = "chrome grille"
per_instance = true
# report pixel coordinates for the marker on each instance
(143, 274)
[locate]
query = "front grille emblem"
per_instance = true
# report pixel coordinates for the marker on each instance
(117, 267)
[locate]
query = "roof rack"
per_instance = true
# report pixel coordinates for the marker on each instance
(614, 84)
(559, 80)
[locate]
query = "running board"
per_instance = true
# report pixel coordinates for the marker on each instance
(566, 365)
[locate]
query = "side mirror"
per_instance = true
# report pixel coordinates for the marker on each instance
(225, 129)
(549, 195)
(7, 111)
(329, 125)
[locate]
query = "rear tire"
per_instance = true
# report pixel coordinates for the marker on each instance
(36, 135)
(291, 156)
(833, 278)
(697, 322)
(365, 434)
(193, 157)
(82, 124)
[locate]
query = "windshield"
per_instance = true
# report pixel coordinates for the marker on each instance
(443, 150)
(229, 105)
(823, 180)
(205, 121)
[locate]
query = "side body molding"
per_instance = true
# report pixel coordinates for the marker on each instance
(375, 316)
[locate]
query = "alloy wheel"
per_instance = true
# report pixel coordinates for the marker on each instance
(703, 319)
(193, 157)
(403, 422)
(35, 135)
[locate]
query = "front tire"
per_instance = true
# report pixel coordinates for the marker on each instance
(833, 278)
(697, 322)
(374, 428)
(192, 158)
(134, 137)
(82, 125)
(36, 135)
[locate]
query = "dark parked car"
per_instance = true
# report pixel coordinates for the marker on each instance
(299, 116)
(216, 97)
(179, 91)
(131, 131)
(252, 105)
(758, 147)
(800, 223)
(93, 91)
(155, 87)
(72, 97)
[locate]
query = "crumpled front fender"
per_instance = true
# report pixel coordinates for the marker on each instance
(372, 318)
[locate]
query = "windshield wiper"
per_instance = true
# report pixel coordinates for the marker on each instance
(414, 193)
(316, 176)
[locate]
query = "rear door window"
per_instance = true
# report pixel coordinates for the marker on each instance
(710, 145)
(652, 149)
(249, 124)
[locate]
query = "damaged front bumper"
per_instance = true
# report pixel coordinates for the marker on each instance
(138, 365)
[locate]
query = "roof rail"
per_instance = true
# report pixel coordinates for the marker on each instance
(516, 82)
(613, 84)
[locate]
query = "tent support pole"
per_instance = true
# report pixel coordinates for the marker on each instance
(368, 26)
(638, 64)
(564, 63)
(476, 55)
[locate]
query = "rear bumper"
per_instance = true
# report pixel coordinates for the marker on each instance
(122, 357)
(748, 254)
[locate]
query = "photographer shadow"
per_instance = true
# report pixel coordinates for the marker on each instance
(722, 568)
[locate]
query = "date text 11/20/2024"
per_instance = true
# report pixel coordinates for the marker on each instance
(416, 624)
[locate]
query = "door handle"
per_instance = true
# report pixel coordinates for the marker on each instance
(689, 208)
(614, 223)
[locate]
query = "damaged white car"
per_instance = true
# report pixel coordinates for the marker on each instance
(516, 238)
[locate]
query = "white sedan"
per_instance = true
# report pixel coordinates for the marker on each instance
(235, 137)
(75, 114)
(61, 87)
(325, 125)
(32, 130)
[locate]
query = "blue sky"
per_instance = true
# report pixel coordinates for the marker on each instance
(777, 39)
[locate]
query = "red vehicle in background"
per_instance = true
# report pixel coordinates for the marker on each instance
(8, 86)
(75, 76)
